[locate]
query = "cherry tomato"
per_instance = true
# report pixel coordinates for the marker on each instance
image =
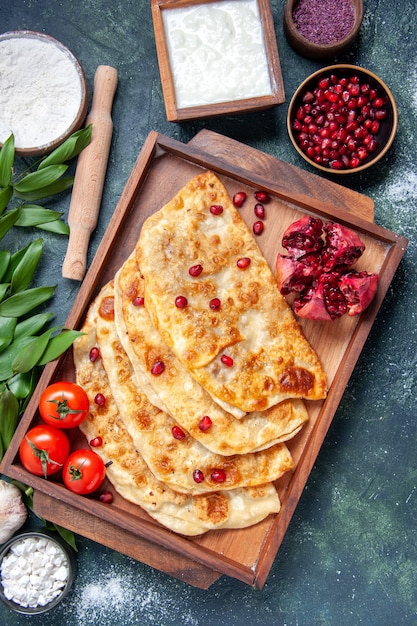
(84, 471)
(64, 404)
(44, 450)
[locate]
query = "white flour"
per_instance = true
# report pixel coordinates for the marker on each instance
(40, 91)
(130, 595)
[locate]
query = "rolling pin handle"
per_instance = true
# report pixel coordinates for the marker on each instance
(90, 174)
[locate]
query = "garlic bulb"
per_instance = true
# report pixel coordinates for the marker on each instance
(13, 512)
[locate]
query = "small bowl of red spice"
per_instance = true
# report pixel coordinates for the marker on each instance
(322, 29)
(342, 119)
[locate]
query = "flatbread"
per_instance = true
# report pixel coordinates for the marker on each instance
(254, 326)
(131, 477)
(171, 460)
(178, 393)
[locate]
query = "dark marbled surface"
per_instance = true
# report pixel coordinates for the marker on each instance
(350, 553)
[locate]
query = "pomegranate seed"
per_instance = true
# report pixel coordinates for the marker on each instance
(381, 114)
(177, 432)
(106, 497)
(94, 354)
(195, 270)
(375, 127)
(362, 153)
(331, 96)
(258, 228)
(227, 360)
(218, 475)
(300, 113)
(198, 476)
(216, 209)
(158, 368)
(138, 301)
(99, 399)
(205, 423)
(262, 196)
(259, 210)
(378, 103)
(243, 263)
(354, 90)
(97, 442)
(181, 302)
(215, 304)
(308, 96)
(239, 198)
(361, 101)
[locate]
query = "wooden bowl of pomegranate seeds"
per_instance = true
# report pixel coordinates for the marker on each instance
(342, 119)
(322, 29)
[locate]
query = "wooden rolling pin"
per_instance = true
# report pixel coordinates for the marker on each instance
(90, 174)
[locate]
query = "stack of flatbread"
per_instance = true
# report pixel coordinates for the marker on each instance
(204, 372)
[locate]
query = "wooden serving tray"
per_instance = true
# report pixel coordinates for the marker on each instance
(162, 168)
(177, 114)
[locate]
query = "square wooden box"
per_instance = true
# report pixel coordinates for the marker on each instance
(176, 113)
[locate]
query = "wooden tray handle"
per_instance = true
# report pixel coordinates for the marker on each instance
(90, 174)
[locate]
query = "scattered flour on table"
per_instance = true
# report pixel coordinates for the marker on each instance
(399, 191)
(133, 598)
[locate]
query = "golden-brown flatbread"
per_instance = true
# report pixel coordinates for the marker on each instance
(178, 393)
(131, 477)
(253, 326)
(173, 460)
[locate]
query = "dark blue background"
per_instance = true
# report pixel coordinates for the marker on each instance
(349, 556)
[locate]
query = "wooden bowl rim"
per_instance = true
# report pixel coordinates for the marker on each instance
(353, 68)
(82, 109)
(304, 44)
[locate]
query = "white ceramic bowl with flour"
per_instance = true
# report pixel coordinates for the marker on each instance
(43, 92)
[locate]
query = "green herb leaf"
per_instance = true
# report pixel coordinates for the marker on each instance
(9, 413)
(9, 354)
(67, 535)
(34, 379)
(57, 226)
(69, 149)
(7, 328)
(33, 215)
(5, 197)
(58, 344)
(21, 303)
(13, 263)
(21, 385)
(50, 190)
(28, 358)
(6, 161)
(23, 274)
(8, 220)
(40, 179)
(3, 290)
(4, 262)
(32, 325)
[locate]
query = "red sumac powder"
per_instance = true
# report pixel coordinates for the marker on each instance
(324, 21)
